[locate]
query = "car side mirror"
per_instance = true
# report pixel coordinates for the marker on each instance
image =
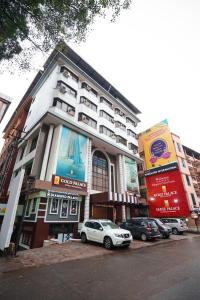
(101, 229)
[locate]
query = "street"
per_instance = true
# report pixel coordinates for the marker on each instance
(165, 271)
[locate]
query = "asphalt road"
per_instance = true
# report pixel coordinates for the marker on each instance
(167, 271)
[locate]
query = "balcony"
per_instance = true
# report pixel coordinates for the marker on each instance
(68, 80)
(67, 98)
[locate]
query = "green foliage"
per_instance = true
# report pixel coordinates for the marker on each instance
(43, 23)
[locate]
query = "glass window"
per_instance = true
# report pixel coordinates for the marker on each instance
(34, 206)
(64, 88)
(179, 147)
(88, 103)
(89, 89)
(188, 179)
(54, 206)
(131, 133)
(105, 115)
(106, 131)
(121, 140)
(87, 120)
(183, 162)
(34, 143)
(193, 199)
(100, 180)
(64, 106)
(128, 120)
(106, 102)
(67, 73)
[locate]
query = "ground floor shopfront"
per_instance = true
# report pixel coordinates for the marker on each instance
(58, 215)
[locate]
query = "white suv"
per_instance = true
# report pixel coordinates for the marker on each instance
(177, 225)
(105, 232)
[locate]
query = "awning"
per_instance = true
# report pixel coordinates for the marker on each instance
(114, 198)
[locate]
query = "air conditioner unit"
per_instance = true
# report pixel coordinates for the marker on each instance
(113, 121)
(87, 103)
(113, 136)
(71, 111)
(66, 73)
(88, 88)
(62, 89)
(135, 151)
(84, 119)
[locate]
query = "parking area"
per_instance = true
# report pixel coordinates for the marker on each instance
(73, 250)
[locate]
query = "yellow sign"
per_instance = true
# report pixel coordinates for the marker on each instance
(158, 146)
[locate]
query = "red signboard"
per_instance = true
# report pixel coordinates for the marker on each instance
(167, 195)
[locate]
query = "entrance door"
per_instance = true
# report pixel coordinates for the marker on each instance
(103, 212)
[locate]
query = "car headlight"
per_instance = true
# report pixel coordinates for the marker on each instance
(118, 235)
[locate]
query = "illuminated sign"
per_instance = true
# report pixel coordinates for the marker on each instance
(167, 195)
(69, 183)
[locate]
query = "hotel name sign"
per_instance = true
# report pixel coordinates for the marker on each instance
(69, 183)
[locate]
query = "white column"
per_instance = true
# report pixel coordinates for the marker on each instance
(121, 183)
(89, 181)
(46, 153)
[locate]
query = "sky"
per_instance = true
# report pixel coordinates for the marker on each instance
(151, 54)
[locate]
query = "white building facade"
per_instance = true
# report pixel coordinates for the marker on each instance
(80, 144)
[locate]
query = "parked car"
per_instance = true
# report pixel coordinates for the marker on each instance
(177, 225)
(141, 228)
(164, 229)
(105, 232)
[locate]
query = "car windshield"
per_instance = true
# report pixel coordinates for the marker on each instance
(152, 224)
(109, 224)
(159, 222)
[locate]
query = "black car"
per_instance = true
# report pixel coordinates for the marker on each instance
(165, 230)
(140, 228)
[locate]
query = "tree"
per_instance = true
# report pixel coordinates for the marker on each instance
(27, 25)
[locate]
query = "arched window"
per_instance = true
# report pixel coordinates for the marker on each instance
(100, 181)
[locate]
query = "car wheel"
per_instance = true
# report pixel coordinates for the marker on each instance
(174, 230)
(83, 238)
(108, 243)
(143, 237)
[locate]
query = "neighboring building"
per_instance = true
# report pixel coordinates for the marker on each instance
(187, 172)
(80, 144)
(11, 135)
(193, 162)
(4, 104)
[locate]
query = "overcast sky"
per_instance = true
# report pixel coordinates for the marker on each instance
(151, 54)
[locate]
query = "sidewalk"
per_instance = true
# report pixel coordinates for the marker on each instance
(72, 250)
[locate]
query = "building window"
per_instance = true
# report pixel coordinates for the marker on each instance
(131, 133)
(106, 116)
(100, 180)
(28, 208)
(141, 181)
(64, 208)
(88, 103)
(106, 131)
(22, 152)
(131, 146)
(28, 168)
(64, 106)
(179, 147)
(34, 143)
(34, 206)
(68, 74)
(120, 125)
(87, 120)
(121, 140)
(128, 120)
(193, 199)
(188, 179)
(106, 102)
(54, 206)
(89, 89)
(140, 167)
(112, 177)
(64, 88)
(183, 162)
(119, 112)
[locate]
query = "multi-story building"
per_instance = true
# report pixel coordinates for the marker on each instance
(80, 144)
(193, 162)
